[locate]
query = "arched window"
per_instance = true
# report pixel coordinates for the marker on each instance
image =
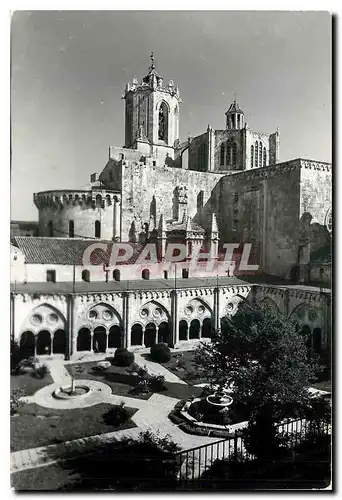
(238, 121)
(222, 153)
(165, 275)
(265, 158)
(256, 155)
(71, 229)
(116, 275)
(145, 274)
(85, 275)
(50, 228)
(229, 154)
(234, 154)
(163, 122)
(97, 229)
(260, 154)
(252, 156)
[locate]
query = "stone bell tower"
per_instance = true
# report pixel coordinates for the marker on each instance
(152, 115)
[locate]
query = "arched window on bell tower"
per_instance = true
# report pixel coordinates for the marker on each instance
(163, 117)
(222, 154)
(252, 156)
(256, 154)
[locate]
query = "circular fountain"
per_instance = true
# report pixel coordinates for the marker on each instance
(220, 399)
(68, 392)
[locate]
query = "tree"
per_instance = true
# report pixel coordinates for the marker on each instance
(264, 360)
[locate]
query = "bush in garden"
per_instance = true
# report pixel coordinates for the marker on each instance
(15, 402)
(41, 371)
(117, 415)
(156, 382)
(160, 353)
(123, 357)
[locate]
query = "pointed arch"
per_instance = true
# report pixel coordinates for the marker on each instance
(103, 313)
(252, 156)
(222, 154)
(163, 122)
(269, 303)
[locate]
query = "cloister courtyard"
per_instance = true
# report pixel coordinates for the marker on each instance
(45, 429)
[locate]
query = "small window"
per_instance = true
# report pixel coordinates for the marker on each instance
(50, 228)
(116, 275)
(71, 229)
(51, 276)
(145, 274)
(110, 176)
(165, 275)
(185, 273)
(236, 197)
(97, 229)
(85, 275)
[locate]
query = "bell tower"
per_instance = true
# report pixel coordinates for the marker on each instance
(152, 115)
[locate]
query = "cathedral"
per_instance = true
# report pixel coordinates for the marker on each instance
(223, 186)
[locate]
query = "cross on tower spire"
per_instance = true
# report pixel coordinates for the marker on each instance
(152, 61)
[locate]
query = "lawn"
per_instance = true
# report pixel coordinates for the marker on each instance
(29, 383)
(37, 426)
(120, 379)
(181, 364)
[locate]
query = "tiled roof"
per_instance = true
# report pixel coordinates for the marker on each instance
(42, 250)
(234, 108)
(181, 226)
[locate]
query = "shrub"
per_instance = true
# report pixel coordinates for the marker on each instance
(156, 382)
(160, 353)
(41, 371)
(123, 357)
(117, 415)
(15, 402)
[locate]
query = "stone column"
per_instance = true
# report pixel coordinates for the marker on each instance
(174, 318)
(125, 319)
(70, 341)
(216, 308)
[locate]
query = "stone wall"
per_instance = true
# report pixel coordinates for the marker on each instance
(148, 188)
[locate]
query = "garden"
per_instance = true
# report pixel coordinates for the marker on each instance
(33, 425)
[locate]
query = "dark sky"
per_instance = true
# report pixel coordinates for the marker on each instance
(69, 69)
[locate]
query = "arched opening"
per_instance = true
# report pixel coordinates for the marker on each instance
(116, 275)
(183, 330)
(71, 229)
(99, 339)
(265, 158)
(234, 154)
(256, 155)
(206, 331)
(185, 273)
(165, 275)
(97, 229)
(114, 337)
(145, 274)
(163, 122)
(44, 342)
(150, 335)
(252, 156)
(294, 274)
(136, 334)
(50, 228)
(222, 154)
(85, 275)
(260, 154)
(195, 327)
(317, 340)
(59, 342)
(84, 340)
(27, 344)
(164, 333)
(306, 333)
